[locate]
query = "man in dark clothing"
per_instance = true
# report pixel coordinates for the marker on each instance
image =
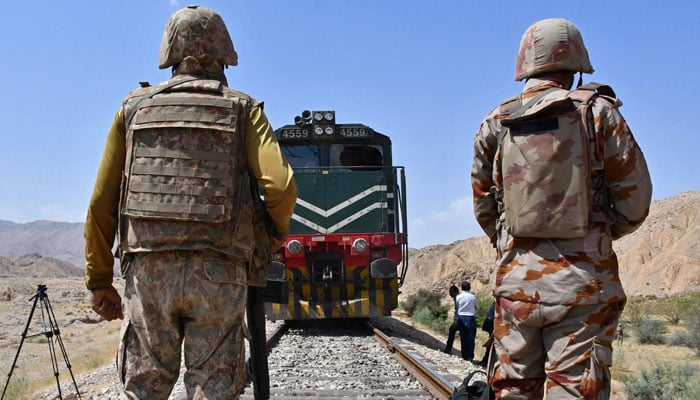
(454, 290)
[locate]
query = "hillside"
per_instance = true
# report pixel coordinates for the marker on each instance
(36, 265)
(60, 240)
(662, 257)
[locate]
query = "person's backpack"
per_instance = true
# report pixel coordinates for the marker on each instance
(479, 390)
(544, 159)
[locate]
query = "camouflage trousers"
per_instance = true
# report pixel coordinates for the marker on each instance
(189, 301)
(563, 352)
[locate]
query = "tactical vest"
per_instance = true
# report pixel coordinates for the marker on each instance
(186, 180)
(544, 156)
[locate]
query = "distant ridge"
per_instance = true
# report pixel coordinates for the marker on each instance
(36, 265)
(662, 257)
(60, 240)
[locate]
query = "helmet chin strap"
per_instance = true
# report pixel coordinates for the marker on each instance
(580, 80)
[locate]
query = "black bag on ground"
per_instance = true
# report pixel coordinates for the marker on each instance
(479, 390)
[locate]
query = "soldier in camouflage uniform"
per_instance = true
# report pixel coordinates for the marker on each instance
(556, 283)
(175, 186)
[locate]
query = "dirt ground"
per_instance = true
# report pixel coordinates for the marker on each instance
(90, 344)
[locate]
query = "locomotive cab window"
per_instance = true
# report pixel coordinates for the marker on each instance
(302, 156)
(357, 156)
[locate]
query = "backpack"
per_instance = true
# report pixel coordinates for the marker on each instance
(544, 156)
(479, 390)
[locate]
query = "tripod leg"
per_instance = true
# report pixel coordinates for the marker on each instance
(57, 333)
(21, 342)
(49, 333)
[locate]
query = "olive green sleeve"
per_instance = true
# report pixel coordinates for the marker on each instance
(270, 169)
(102, 213)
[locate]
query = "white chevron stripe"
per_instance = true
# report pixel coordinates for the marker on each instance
(343, 204)
(356, 216)
(304, 221)
(342, 223)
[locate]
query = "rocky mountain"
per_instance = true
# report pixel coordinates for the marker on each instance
(36, 265)
(61, 240)
(662, 257)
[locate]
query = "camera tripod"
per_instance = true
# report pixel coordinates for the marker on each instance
(51, 332)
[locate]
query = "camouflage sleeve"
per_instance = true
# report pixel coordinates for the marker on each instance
(102, 212)
(626, 174)
(485, 205)
(271, 170)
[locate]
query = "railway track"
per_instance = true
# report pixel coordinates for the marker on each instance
(356, 359)
(434, 382)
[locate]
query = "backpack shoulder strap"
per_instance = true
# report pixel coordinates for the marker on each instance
(531, 102)
(508, 107)
(584, 96)
(514, 108)
(585, 93)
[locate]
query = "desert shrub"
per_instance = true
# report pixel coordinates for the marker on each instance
(675, 308)
(426, 308)
(651, 331)
(663, 382)
(634, 311)
(482, 307)
(692, 388)
(693, 325)
(436, 323)
(681, 339)
(424, 299)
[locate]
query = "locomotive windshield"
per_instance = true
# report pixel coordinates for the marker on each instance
(345, 155)
(300, 156)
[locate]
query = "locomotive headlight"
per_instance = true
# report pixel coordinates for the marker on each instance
(318, 130)
(318, 116)
(360, 245)
(329, 130)
(294, 247)
(328, 116)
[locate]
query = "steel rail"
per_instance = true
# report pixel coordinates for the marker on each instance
(434, 382)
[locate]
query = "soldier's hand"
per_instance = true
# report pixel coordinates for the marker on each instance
(277, 242)
(107, 303)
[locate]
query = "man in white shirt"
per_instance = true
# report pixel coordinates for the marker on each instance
(466, 320)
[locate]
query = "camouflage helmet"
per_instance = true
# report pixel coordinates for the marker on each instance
(553, 44)
(196, 31)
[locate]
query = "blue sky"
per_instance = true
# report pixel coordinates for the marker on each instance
(423, 72)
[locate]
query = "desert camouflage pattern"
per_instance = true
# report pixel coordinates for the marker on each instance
(532, 273)
(574, 361)
(553, 44)
(171, 297)
(186, 176)
(543, 159)
(197, 32)
(567, 271)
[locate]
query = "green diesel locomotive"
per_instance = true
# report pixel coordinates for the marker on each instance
(347, 252)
